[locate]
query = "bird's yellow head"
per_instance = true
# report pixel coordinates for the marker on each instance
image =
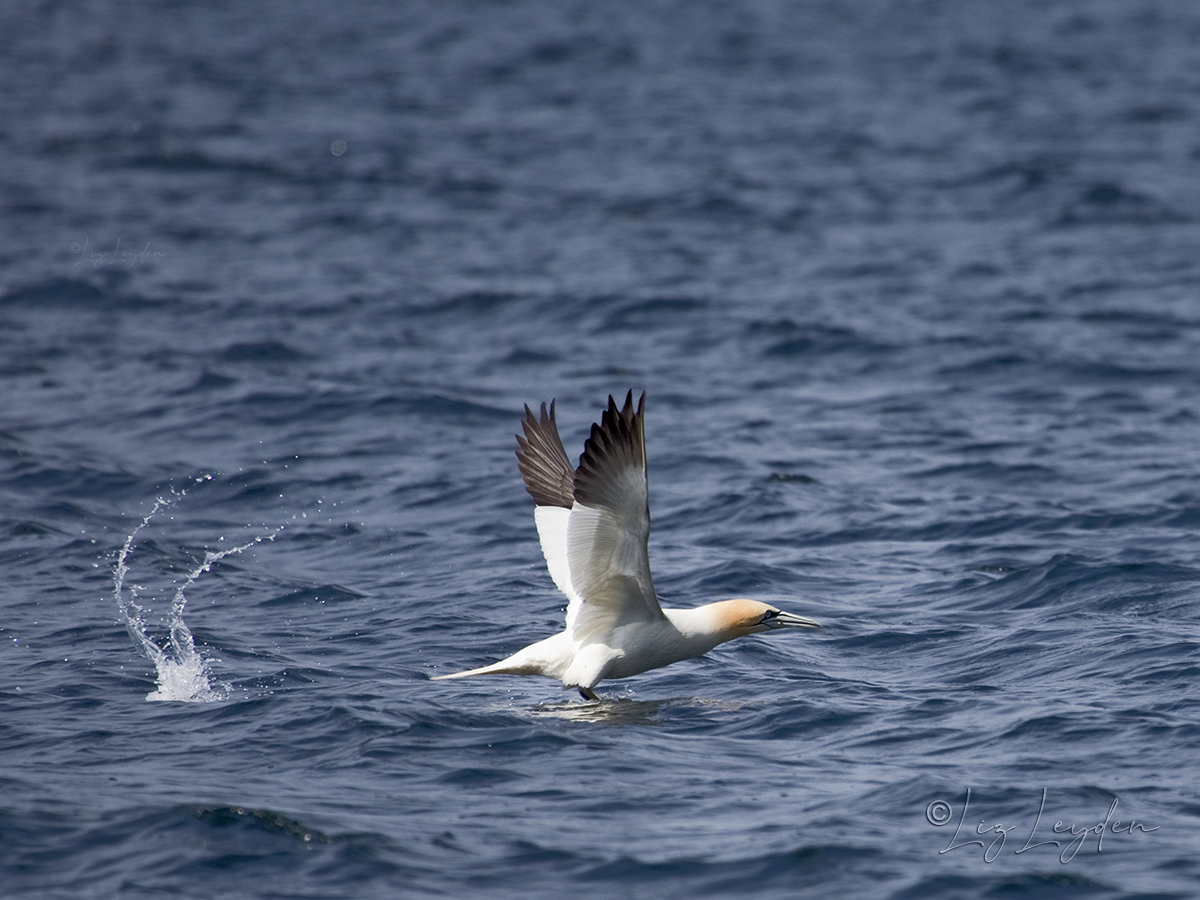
(741, 616)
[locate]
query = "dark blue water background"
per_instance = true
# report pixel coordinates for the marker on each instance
(913, 287)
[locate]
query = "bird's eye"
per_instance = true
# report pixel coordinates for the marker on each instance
(770, 614)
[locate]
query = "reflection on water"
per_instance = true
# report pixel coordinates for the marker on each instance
(627, 711)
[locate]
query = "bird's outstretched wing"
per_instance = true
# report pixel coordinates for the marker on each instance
(550, 481)
(594, 535)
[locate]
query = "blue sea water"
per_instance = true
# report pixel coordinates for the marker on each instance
(913, 288)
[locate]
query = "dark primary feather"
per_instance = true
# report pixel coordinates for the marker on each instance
(616, 444)
(543, 462)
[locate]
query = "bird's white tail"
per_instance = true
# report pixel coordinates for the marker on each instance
(504, 667)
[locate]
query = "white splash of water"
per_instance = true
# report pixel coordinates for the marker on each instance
(182, 672)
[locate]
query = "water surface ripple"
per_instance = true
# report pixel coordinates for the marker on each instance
(912, 289)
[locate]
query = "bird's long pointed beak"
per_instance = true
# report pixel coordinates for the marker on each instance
(791, 620)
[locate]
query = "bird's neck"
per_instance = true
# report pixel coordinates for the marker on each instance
(701, 628)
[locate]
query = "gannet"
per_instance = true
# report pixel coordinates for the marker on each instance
(593, 522)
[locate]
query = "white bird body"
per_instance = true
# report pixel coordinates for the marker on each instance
(594, 523)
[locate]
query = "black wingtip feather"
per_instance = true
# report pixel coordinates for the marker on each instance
(549, 478)
(616, 442)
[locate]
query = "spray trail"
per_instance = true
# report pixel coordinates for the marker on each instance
(181, 670)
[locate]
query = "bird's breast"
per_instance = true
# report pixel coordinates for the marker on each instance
(640, 646)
